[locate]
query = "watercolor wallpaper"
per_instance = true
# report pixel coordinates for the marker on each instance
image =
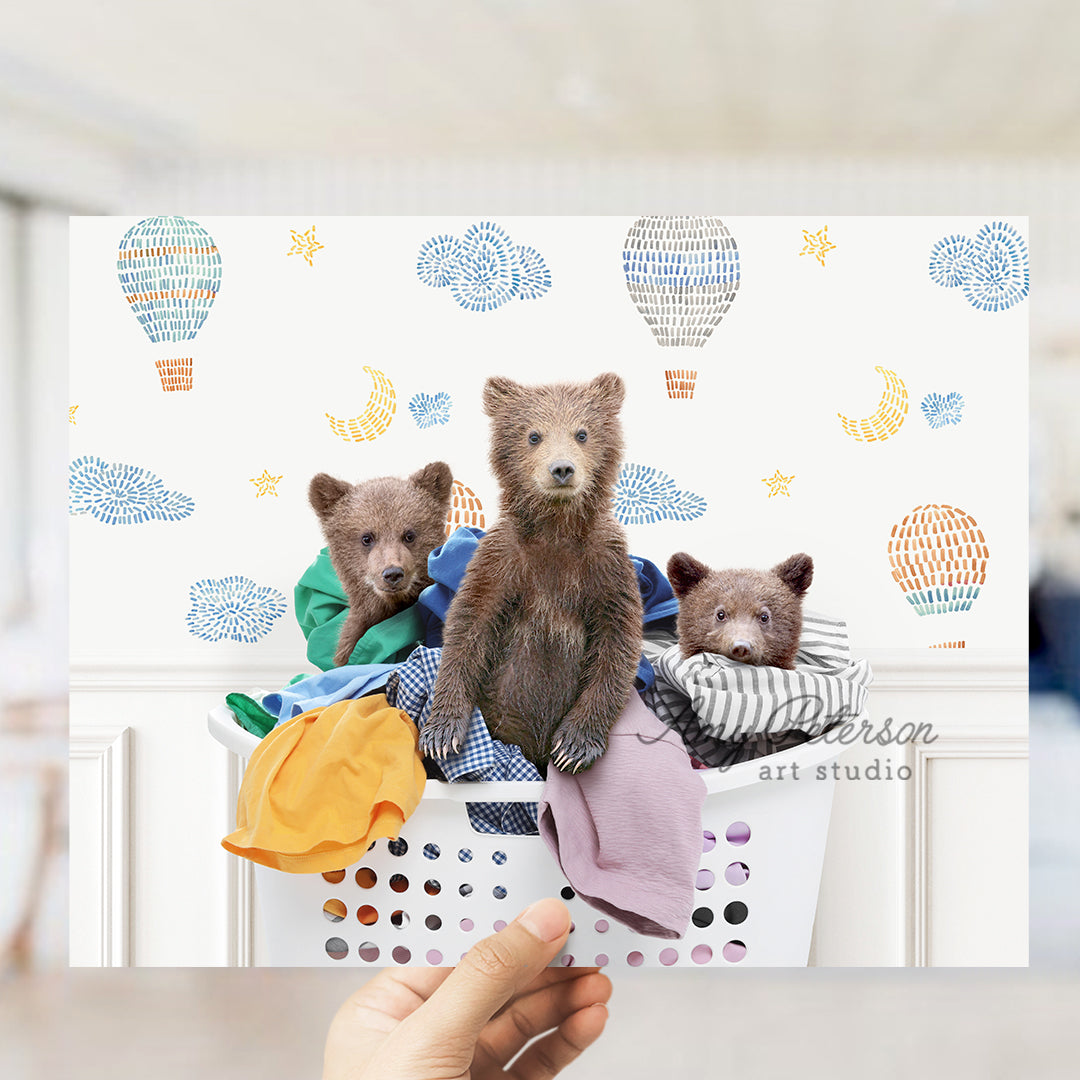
(851, 387)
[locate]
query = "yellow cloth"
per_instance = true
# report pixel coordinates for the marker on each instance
(320, 788)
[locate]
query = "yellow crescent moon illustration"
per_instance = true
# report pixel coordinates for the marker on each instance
(375, 419)
(890, 412)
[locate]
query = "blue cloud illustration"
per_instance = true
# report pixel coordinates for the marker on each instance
(484, 269)
(428, 410)
(940, 411)
(644, 495)
(991, 270)
(235, 608)
(119, 494)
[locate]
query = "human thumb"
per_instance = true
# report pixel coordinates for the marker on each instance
(489, 975)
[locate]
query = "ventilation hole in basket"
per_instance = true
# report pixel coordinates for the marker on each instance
(367, 915)
(335, 910)
(434, 957)
(465, 889)
(432, 887)
(335, 877)
(432, 851)
(498, 925)
(602, 960)
(399, 882)
(366, 877)
(433, 922)
(701, 954)
(708, 841)
(734, 951)
(737, 873)
(372, 845)
(706, 879)
(465, 855)
(735, 912)
(399, 918)
(567, 893)
(466, 925)
(401, 955)
(336, 948)
(703, 917)
(573, 927)
(397, 847)
(738, 833)
(602, 926)
(567, 960)
(499, 892)
(368, 950)
(669, 957)
(498, 858)
(635, 959)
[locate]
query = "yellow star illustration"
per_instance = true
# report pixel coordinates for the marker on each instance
(71, 413)
(817, 244)
(778, 484)
(305, 244)
(265, 484)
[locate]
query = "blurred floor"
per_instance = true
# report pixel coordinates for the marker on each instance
(257, 1025)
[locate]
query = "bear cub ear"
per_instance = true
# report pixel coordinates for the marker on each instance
(325, 492)
(436, 479)
(684, 572)
(609, 390)
(499, 392)
(797, 572)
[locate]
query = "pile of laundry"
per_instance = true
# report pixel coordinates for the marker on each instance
(338, 766)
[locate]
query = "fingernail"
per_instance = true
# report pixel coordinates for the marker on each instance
(547, 919)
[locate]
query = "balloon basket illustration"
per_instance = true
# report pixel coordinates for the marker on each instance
(938, 556)
(170, 272)
(682, 273)
(465, 509)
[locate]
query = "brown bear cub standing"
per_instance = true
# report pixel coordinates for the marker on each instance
(754, 616)
(544, 634)
(380, 533)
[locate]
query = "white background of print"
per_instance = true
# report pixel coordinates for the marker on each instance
(285, 343)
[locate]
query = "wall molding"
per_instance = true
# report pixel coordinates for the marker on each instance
(983, 745)
(107, 751)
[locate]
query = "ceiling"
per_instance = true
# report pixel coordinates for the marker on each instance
(360, 78)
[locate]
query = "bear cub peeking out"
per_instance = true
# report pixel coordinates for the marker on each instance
(544, 634)
(754, 616)
(379, 534)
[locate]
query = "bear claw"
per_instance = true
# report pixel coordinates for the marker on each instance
(441, 738)
(574, 752)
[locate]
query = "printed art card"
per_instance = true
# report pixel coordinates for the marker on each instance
(851, 388)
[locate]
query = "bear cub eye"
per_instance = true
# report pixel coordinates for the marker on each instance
(534, 438)
(720, 616)
(409, 536)
(764, 616)
(367, 539)
(582, 435)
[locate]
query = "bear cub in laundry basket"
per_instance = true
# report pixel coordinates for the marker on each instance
(544, 634)
(754, 616)
(379, 534)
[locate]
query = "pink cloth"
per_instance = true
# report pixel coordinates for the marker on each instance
(627, 832)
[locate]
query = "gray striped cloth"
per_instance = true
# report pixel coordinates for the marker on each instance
(727, 712)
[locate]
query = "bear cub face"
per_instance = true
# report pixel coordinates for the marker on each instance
(753, 616)
(379, 534)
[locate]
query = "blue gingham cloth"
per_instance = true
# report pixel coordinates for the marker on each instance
(481, 758)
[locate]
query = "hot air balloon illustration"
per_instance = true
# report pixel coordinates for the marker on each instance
(682, 273)
(170, 272)
(938, 554)
(465, 509)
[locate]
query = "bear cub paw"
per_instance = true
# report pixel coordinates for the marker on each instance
(442, 736)
(576, 748)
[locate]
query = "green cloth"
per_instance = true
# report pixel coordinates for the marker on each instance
(321, 608)
(250, 714)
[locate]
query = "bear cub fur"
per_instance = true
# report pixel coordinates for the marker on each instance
(754, 616)
(544, 634)
(379, 534)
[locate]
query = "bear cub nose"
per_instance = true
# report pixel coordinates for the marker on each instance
(562, 470)
(393, 575)
(740, 650)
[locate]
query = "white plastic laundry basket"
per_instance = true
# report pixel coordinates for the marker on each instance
(426, 897)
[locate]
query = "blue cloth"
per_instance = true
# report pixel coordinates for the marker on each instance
(481, 758)
(446, 568)
(318, 691)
